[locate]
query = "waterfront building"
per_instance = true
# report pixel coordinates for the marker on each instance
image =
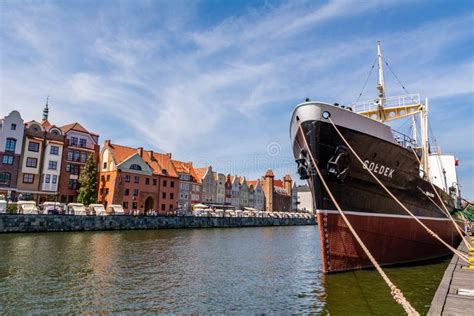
(258, 197)
(305, 199)
(11, 142)
(228, 190)
(251, 195)
(294, 197)
(40, 164)
(277, 193)
(79, 144)
(189, 185)
(243, 193)
(235, 193)
(219, 181)
(137, 179)
(207, 178)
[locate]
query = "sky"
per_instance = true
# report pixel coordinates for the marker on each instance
(215, 82)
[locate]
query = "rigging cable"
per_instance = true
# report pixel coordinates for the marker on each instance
(433, 234)
(394, 290)
(366, 80)
(393, 73)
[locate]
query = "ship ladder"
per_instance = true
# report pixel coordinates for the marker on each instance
(394, 291)
(444, 206)
(432, 233)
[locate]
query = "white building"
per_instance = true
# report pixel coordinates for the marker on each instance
(305, 199)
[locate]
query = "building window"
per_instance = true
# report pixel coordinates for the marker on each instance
(135, 192)
(74, 141)
(8, 160)
(165, 183)
(47, 178)
(147, 181)
(108, 177)
(52, 165)
(83, 157)
(77, 155)
(72, 184)
(101, 191)
(127, 178)
(10, 144)
(135, 167)
(137, 179)
(163, 207)
(70, 154)
(134, 205)
(172, 184)
(155, 182)
(171, 208)
(13, 127)
(31, 162)
(163, 195)
(5, 178)
(105, 165)
(55, 179)
(32, 146)
(28, 178)
(125, 205)
(171, 196)
(82, 142)
(54, 150)
(127, 192)
(106, 190)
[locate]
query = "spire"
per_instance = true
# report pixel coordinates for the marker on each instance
(46, 110)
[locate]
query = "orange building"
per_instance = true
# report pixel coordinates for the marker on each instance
(137, 179)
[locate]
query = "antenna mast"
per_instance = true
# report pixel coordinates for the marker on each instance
(381, 85)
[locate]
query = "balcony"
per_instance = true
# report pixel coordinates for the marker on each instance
(81, 146)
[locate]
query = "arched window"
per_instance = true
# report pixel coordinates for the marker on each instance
(135, 167)
(5, 178)
(10, 145)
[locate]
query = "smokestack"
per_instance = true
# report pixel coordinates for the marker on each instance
(140, 151)
(151, 155)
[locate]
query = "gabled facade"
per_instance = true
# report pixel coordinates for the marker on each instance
(207, 178)
(235, 200)
(79, 144)
(137, 179)
(243, 193)
(189, 185)
(219, 180)
(40, 165)
(256, 198)
(11, 144)
(228, 190)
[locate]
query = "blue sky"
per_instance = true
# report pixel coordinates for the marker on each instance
(216, 81)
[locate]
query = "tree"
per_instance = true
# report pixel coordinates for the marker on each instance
(88, 182)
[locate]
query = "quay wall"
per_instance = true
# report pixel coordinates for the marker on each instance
(17, 223)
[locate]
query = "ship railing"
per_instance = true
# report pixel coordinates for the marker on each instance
(404, 140)
(390, 102)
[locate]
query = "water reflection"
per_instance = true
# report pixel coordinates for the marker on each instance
(250, 270)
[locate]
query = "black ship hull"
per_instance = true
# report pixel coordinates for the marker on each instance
(377, 217)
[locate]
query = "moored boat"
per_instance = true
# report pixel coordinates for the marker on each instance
(400, 162)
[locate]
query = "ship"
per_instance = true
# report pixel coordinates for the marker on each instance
(408, 166)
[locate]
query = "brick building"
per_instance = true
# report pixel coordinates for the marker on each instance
(137, 179)
(40, 163)
(79, 144)
(11, 144)
(278, 193)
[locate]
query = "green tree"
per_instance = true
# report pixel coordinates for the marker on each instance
(88, 182)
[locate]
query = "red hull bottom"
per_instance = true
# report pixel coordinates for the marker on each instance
(392, 239)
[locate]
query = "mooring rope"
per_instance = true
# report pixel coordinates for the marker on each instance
(444, 206)
(394, 291)
(455, 251)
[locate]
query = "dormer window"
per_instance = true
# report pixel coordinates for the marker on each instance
(135, 167)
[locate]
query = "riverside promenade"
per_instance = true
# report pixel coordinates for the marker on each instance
(15, 223)
(455, 294)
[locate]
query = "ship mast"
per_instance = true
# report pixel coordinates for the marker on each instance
(381, 85)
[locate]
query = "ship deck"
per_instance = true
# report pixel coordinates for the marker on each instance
(451, 296)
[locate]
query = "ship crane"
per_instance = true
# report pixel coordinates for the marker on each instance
(386, 109)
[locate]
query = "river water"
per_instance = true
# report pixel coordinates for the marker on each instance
(242, 270)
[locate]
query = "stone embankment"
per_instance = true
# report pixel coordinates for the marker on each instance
(10, 223)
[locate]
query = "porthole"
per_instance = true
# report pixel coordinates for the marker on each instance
(326, 115)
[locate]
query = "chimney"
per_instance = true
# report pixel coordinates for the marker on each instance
(151, 155)
(169, 155)
(107, 143)
(140, 151)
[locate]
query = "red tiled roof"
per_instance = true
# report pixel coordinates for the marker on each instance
(252, 183)
(46, 124)
(75, 127)
(200, 173)
(121, 153)
(279, 183)
(160, 162)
